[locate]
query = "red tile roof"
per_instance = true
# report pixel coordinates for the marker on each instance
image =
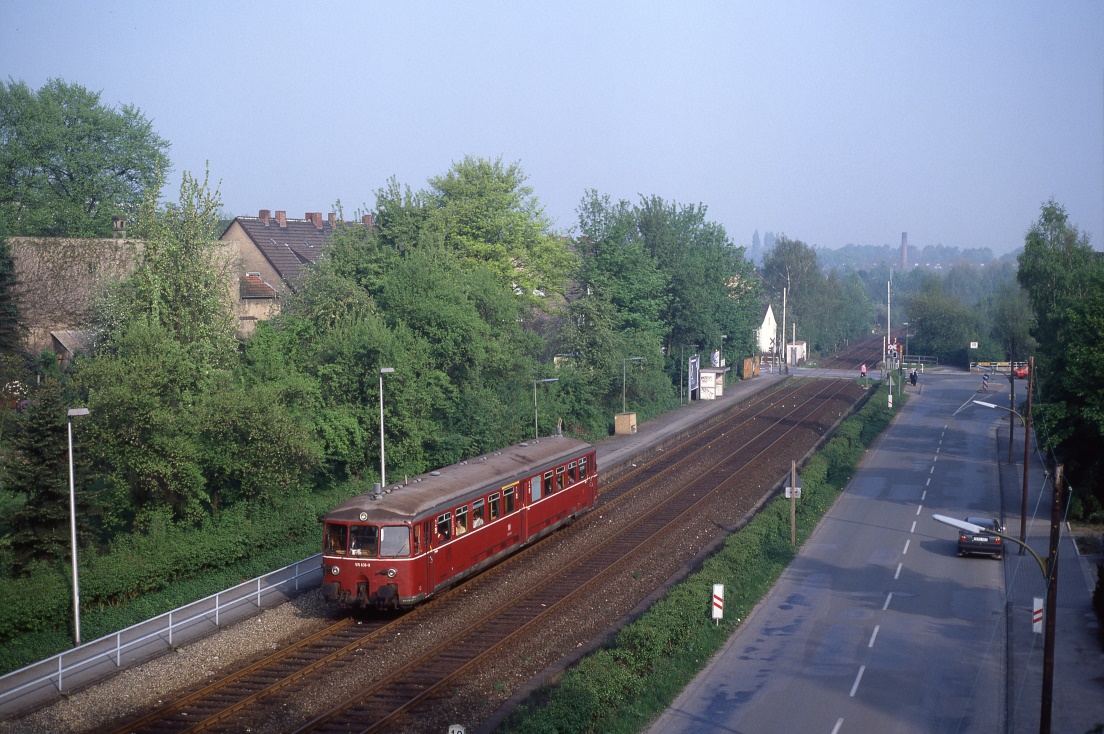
(251, 285)
(289, 248)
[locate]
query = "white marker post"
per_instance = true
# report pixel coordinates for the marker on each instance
(718, 602)
(1037, 615)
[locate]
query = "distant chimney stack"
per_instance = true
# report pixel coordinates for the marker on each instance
(315, 218)
(332, 218)
(264, 216)
(904, 251)
(367, 220)
(281, 217)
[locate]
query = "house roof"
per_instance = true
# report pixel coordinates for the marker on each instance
(288, 244)
(73, 340)
(252, 285)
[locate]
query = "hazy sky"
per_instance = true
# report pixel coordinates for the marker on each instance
(832, 122)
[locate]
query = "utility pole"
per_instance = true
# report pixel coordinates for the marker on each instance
(1027, 449)
(1011, 397)
(1051, 603)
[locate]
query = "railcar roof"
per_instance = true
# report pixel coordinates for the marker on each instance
(438, 490)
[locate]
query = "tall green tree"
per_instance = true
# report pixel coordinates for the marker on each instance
(39, 468)
(11, 330)
(182, 278)
(69, 163)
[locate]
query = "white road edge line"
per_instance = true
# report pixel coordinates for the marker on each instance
(836, 728)
(888, 597)
(905, 551)
(913, 529)
(855, 687)
(898, 574)
(873, 637)
(918, 508)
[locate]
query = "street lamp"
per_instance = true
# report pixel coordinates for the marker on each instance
(383, 462)
(73, 528)
(682, 361)
(624, 363)
(1026, 463)
(547, 379)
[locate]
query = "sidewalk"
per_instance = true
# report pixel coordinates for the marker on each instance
(1078, 695)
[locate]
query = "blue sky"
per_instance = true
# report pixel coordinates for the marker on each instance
(834, 123)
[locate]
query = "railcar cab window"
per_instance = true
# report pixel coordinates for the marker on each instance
(461, 520)
(363, 540)
(582, 468)
(494, 505)
(572, 472)
(335, 539)
(444, 527)
(478, 513)
(394, 541)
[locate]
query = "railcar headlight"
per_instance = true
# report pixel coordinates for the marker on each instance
(363, 516)
(392, 573)
(335, 570)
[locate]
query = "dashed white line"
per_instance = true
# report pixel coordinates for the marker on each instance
(913, 528)
(918, 508)
(928, 483)
(905, 551)
(855, 687)
(924, 495)
(873, 636)
(932, 470)
(898, 574)
(836, 728)
(888, 597)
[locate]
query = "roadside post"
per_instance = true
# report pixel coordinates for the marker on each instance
(718, 603)
(793, 493)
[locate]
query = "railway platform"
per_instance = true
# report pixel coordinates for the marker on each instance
(618, 453)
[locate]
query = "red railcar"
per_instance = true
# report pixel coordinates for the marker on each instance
(400, 546)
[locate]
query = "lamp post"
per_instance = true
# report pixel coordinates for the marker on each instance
(906, 338)
(73, 527)
(1027, 448)
(682, 362)
(624, 363)
(383, 461)
(1050, 578)
(547, 379)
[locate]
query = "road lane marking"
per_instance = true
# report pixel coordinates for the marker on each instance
(924, 494)
(836, 728)
(918, 508)
(928, 483)
(855, 687)
(873, 637)
(905, 551)
(898, 574)
(913, 529)
(932, 471)
(888, 597)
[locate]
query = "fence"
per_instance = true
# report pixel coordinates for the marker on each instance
(36, 684)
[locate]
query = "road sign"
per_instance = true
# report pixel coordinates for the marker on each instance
(718, 601)
(789, 492)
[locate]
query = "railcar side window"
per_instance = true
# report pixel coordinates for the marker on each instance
(508, 499)
(548, 482)
(572, 473)
(494, 506)
(559, 478)
(583, 468)
(444, 527)
(534, 489)
(363, 540)
(461, 520)
(417, 539)
(394, 541)
(335, 539)
(478, 510)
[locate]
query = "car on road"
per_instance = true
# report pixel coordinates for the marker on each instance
(984, 543)
(1020, 371)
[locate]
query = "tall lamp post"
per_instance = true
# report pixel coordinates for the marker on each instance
(547, 379)
(383, 461)
(625, 363)
(73, 528)
(1026, 422)
(1050, 578)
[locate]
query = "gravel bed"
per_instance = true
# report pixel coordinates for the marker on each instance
(472, 700)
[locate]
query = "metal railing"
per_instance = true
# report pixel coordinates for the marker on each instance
(46, 679)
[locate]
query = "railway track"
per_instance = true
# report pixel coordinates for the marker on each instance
(270, 683)
(868, 352)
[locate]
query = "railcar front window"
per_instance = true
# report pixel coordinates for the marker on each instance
(363, 540)
(395, 541)
(335, 539)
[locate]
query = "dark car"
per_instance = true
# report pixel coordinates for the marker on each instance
(983, 543)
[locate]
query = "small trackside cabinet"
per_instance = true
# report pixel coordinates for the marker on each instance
(624, 424)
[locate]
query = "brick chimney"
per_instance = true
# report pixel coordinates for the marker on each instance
(315, 218)
(332, 218)
(367, 220)
(281, 217)
(264, 216)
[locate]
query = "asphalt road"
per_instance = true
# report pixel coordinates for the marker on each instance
(878, 625)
